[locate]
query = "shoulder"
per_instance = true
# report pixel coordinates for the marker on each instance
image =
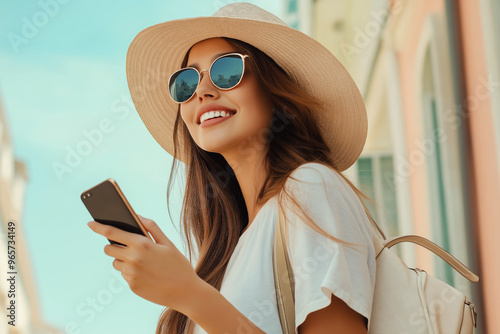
(312, 171)
(313, 176)
(326, 196)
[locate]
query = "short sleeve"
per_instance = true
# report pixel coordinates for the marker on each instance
(322, 266)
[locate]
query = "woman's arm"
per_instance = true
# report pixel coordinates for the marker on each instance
(215, 314)
(157, 271)
(335, 318)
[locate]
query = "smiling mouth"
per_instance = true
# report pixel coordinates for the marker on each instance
(216, 114)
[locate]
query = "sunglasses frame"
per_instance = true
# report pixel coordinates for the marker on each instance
(242, 56)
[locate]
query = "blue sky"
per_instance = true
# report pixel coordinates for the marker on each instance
(62, 68)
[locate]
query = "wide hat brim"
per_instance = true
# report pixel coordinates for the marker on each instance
(158, 51)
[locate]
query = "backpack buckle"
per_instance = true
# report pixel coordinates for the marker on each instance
(473, 312)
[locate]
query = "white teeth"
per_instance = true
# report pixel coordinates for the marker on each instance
(212, 114)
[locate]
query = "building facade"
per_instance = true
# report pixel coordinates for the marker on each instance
(18, 296)
(429, 74)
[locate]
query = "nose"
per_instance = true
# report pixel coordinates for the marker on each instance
(205, 89)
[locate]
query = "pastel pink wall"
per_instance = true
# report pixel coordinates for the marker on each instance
(485, 181)
(410, 81)
(486, 185)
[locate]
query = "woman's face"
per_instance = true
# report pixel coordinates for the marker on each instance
(251, 112)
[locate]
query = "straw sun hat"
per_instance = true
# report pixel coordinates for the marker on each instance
(158, 51)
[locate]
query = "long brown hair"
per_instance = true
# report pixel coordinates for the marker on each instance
(214, 211)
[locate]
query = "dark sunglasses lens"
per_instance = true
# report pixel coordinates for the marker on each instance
(227, 71)
(183, 84)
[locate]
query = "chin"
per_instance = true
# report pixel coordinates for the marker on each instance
(210, 148)
(215, 145)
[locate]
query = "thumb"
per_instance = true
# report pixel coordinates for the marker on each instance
(155, 231)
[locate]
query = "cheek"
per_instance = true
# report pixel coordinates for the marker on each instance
(182, 113)
(186, 114)
(186, 117)
(256, 101)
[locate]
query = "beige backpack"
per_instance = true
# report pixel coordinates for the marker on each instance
(406, 300)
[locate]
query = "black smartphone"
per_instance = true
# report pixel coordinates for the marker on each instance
(107, 205)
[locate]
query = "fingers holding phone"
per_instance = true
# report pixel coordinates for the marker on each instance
(154, 230)
(122, 237)
(108, 205)
(115, 235)
(156, 271)
(150, 263)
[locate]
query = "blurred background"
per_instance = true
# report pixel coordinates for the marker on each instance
(429, 74)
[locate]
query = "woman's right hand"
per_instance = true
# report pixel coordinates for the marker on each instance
(155, 270)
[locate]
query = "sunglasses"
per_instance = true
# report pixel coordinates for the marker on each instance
(225, 73)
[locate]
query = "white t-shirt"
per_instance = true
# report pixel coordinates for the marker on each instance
(320, 265)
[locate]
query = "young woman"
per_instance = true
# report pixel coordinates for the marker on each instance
(265, 119)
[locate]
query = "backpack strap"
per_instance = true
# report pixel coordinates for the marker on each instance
(421, 241)
(283, 279)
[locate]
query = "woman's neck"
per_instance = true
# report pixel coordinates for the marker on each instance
(251, 174)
